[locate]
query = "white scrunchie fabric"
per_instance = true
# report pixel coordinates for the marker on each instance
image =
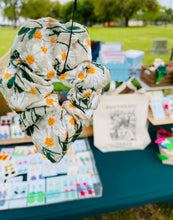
(37, 57)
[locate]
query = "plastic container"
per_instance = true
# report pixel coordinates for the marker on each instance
(118, 72)
(134, 58)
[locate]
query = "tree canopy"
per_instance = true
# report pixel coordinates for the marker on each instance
(88, 11)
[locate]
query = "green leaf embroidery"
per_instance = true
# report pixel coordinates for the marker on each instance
(49, 154)
(19, 89)
(74, 28)
(31, 33)
(82, 46)
(11, 82)
(23, 30)
(27, 76)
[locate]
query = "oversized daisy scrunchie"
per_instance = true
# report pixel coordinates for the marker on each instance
(37, 57)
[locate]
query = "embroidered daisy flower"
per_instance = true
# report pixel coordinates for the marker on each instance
(49, 142)
(38, 34)
(89, 42)
(33, 90)
(81, 76)
(63, 55)
(50, 74)
(52, 40)
(7, 75)
(30, 59)
(71, 106)
(50, 101)
(51, 121)
(63, 76)
(87, 95)
(72, 121)
(44, 49)
(91, 70)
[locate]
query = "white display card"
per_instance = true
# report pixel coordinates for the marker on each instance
(36, 193)
(4, 132)
(16, 132)
(5, 190)
(18, 197)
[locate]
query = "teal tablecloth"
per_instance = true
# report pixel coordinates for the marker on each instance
(129, 179)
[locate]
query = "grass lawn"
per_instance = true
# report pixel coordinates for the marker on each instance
(138, 38)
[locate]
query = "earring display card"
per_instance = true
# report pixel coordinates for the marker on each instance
(36, 193)
(4, 132)
(22, 165)
(24, 150)
(5, 120)
(157, 110)
(85, 186)
(16, 131)
(80, 145)
(62, 166)
(48, 168)
(60, 189)
(34, 172)
(5, 190)
(16, 179)
(18, 196)
(9, 169)
(6, 153)
(35, 159)
(89, 169)
(84, 158)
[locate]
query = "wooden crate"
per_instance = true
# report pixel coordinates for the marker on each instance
(150, 77)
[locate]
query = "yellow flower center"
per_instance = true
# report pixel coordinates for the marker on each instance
(66, 135)
(49, 142)
(91, 70)
(63, 76)
(7, 75)
(89, 42)
(81, 76)
(33, 90)
(38, 34)
(63, 55)
(18, 109)
(36, 147)
(50, 74)
(50, 101)
(71, 106)
(30, 59)
(72, 121)
(87, 95)
(44, 49)
(51, 20)
(52, 40)
(47, 94)
(19, 61)
(51, 121)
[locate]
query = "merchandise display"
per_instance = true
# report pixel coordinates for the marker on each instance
(29, 179)
(160, 107)
(165, 143)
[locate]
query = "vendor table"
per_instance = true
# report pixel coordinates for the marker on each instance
(129, 179)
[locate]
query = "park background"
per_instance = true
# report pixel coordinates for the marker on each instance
(135, 23)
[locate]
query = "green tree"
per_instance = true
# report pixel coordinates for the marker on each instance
(11, 10)
(105, 10)
(84, 13)
(40, 8)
